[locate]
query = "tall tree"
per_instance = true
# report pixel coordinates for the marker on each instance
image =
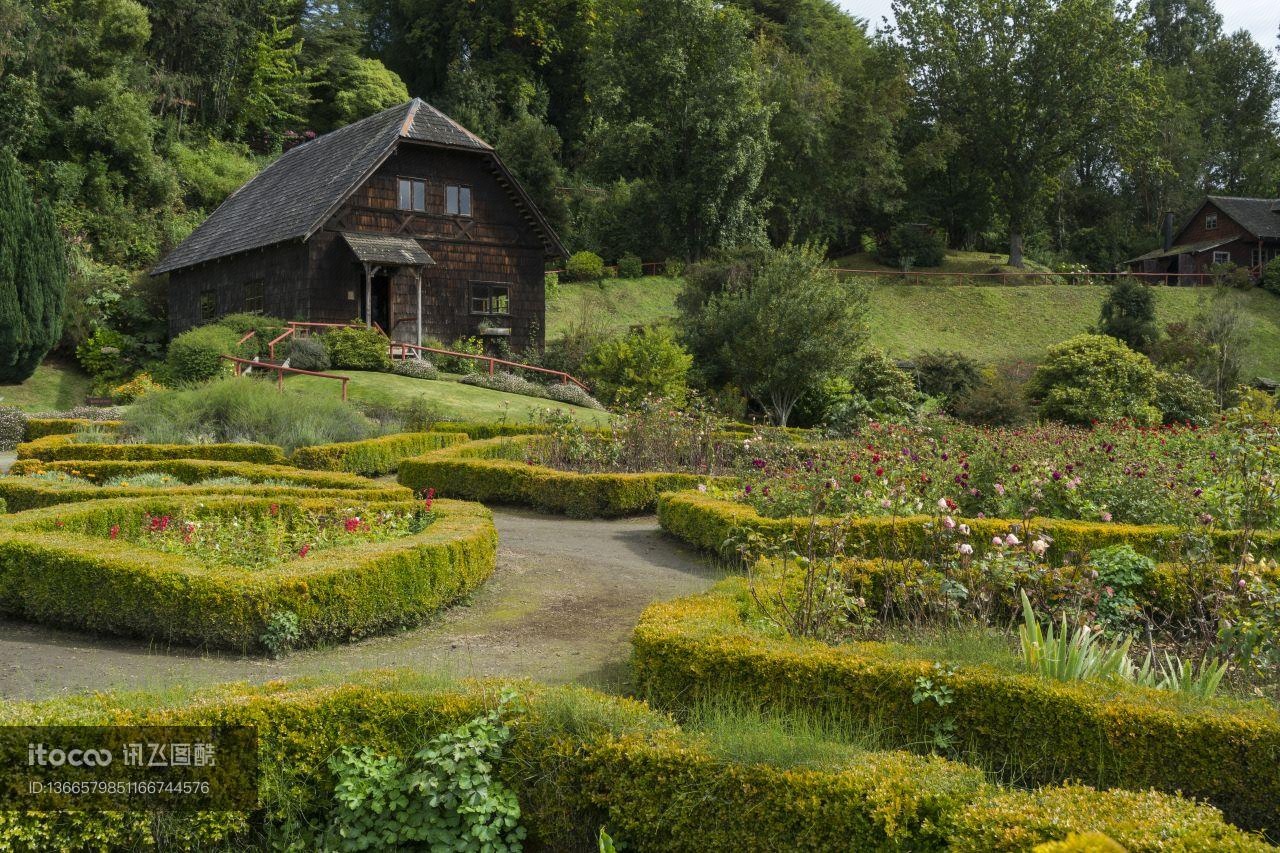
(32, 276)
(1023, 84)
(675, 97)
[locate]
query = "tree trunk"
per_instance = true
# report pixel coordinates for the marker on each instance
(1015, 249)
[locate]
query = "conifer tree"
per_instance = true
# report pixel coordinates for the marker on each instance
(32, 277)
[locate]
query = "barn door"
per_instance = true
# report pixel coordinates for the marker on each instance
(379, 308)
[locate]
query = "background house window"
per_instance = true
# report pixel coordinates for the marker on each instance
(413, 194)
(208, 305)
(255, 296)
(457, 201)
(1210, 221)
(490, 298)
(1222, 257)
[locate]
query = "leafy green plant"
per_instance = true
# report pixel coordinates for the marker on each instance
(606, 842)
(1095, 378)
(357, 348)
(645, 362)
(1067, 654)
(1121, 572)
(309, 354)
(913, 245)
(445, 797)
(936, 689)
(629, 266)
(584, 266)
(106, 355)
(196, 354)
(282, 633)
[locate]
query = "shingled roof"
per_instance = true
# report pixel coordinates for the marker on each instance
(294, 196)
(1259, 216)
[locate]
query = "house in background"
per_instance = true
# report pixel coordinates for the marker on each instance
(1240, 231)
(404, 219)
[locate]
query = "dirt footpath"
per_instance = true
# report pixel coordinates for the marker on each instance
(560, 607)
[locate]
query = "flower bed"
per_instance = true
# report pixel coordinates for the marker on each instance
(375, 456)
(118, 566)
(578, 761)
(58, 447)
(34, 483)
(708, 521)
(1044, 731)
(494, 471)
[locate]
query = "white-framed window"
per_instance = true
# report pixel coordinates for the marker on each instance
(412, 194)
(1222, 257)
(457, 201)
(1210, 221)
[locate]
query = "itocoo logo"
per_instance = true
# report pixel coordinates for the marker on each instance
(40, 755)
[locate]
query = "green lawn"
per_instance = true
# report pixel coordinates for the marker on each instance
(616, 304)
(54, 386)
(1007, 323)
(454, 400)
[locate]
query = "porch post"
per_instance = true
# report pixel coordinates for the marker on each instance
(368, 297)
(419, 307)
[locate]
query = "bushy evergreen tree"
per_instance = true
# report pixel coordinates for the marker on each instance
(32, 277)
(1129, 314)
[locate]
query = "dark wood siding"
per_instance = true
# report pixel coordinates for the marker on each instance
(281, 268)
(1196, 232)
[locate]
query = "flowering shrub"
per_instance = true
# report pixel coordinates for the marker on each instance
(1122, 473)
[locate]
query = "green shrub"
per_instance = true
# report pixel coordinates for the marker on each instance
(584, 266)
(647, 362)
(357, 348)
(1039, 731)
(59, 447)
(494, 471)
(309, 354)
(41, 427)
(945, 375)
(13, 427)
(196, 354)
(375, 456)
(193, 476)
(416, 368)
(477, 431)
(1095, 378)
(1181, 399)
(55, 568)
(629, 266)
(673, 267)
(104, 355)
(135, 389)
(578, 760)
(913, 245)
(245, 409)
(1128, 314)
(264, 330)
(998, 400)
(1271, 276)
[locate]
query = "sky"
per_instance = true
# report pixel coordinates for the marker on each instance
(1260, 17)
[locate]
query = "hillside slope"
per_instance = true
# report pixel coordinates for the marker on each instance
(989, 323)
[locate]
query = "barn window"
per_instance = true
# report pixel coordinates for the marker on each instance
(413, 194)
(457, 201)
(1222, 257)
(255, 296)
(1210, 221)
(208, 305)
(490, 298)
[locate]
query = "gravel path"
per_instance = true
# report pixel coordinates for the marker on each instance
(560, 607)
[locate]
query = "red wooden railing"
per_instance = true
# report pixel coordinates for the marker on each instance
(281, 370)
(1195, 279)
(401, 351)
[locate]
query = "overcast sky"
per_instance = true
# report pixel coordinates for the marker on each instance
(1260, 17)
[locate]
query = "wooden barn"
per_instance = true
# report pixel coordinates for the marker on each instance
(1240, 231)
(404, 219)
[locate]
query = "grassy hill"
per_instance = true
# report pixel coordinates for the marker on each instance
(952, 262)
(453, 399)
(990, 323)
(54, 386)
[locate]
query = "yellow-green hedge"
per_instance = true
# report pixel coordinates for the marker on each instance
(493, 471)
(58, 447)
(25, 493)
(579, 760)
(478, 430)
(41, 427)
(375, 456)
(51, 574)
(1110, 735)
(707, 522)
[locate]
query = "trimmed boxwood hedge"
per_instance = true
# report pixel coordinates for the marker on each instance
(579, 760)
(1110, 735)
(375, 456)
(50, 574)
(55, 447)
(492, 471)
(41, 427)
(707, 522)
(25, 493)
(477, 430)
